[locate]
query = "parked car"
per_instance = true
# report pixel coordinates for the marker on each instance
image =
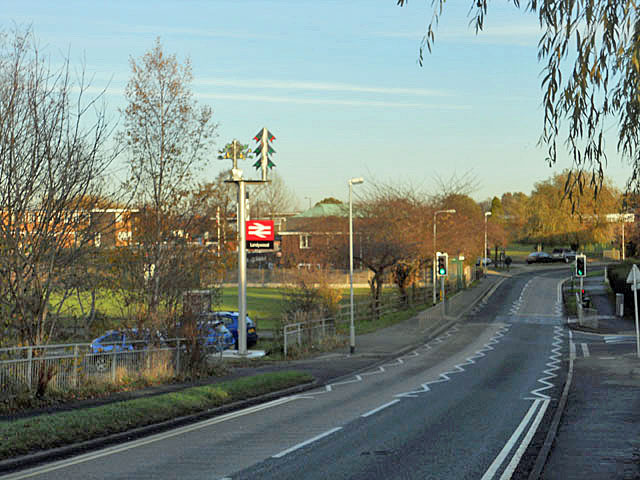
(230, 320)
(211, 331)
(539, 257)
(113, 341)
(483, 261)
(217, 335)
(110, 341)
(563, 255)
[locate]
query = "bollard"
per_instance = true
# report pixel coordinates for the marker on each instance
(620, 304)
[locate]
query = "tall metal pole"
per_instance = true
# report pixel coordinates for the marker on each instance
(433, 269)
(484, 253)
(635, 303)
(352, 328)
(622, 239)
(242, 269)
(218, 227)
(233, 152)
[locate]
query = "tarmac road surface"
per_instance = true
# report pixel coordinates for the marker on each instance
(465, 405)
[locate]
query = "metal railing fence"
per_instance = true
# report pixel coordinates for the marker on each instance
(74, 365)
(297, 334)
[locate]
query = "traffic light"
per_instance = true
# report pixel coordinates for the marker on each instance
(263, 151)
(581, 266)
(441, 264)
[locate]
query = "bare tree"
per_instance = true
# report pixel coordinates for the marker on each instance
(168, 137)
(273, 197)
(52, 161)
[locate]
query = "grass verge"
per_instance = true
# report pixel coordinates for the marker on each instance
(386, 320)
(19, 437)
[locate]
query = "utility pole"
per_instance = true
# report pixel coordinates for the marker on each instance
(484, 253)
(234, 151)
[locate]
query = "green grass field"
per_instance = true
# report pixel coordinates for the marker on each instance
(265, 305)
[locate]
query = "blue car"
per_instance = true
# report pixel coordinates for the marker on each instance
(217, 335)
(110, 341)
(125, 340)
(230, 320)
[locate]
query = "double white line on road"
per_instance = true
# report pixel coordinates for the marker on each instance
(538, 405)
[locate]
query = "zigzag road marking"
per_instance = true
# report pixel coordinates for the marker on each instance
(383, 368)
(445, 376)
(554, 360)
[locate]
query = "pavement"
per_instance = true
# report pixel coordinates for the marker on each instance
(598, 432)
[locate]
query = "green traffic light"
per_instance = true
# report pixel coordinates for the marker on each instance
(442, 271)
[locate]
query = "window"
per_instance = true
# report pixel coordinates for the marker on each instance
(305, 241)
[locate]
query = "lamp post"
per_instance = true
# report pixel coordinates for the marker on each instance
(451, 210)
(352, 328)
(484, 253)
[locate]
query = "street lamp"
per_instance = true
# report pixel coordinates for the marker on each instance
(484, 253)
(451, 210)
(352, 328)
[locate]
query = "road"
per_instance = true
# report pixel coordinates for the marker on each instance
(470, 404)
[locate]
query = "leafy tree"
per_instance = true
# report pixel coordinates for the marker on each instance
(168, 136)
(553, 220)
(497, 212)
(463, 231)
(389, 225)
(52, 165)
(515, 211)
(591, 70)
(330, 201)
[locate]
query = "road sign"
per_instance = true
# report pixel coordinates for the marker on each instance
(260, 234)
(632, 278)
(260, 230)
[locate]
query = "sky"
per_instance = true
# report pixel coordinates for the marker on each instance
(336, 81)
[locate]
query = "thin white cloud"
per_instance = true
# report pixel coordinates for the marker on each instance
(329, 101)
(290, 99)
(323, 87)
(521, 35)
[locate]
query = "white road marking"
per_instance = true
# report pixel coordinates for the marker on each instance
(585, 349)
(144, 441)
(556, 353)
(444, 377)
(493, 468)
(572, 351)
(619, 339)
(506, 475)
(306, 442)
(381, 407)
(381, 369)
(559, 290)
